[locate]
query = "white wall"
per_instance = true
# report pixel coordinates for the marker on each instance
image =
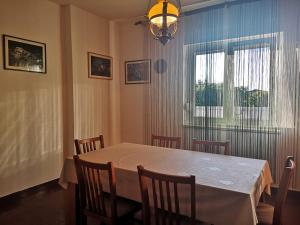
(91, 96)
(132, 47)
(41, 114)
(95, 101)
(154, 108)
(115, 90)
(30, 103)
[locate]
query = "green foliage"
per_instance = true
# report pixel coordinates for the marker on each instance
(253, 98)
(208, 94)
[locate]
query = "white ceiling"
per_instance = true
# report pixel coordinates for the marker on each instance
(118, 9)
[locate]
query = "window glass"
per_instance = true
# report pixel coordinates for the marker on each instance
(252, 77)
(209, 84)
(252, 83)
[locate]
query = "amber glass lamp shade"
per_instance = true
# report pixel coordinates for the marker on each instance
(163, 20)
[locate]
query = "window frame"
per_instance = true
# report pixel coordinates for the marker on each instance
(229, 118)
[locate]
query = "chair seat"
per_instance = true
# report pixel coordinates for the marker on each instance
(126, 208)
(264, 214)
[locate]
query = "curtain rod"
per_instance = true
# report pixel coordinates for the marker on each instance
(197, 7)
(200, 5)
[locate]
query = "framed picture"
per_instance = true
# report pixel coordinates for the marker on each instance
(138, 72)
(100, 66)
(24, 55)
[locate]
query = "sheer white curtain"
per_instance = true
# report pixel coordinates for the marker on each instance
(164, 96)
(231, 73)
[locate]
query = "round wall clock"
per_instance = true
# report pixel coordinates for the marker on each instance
(160, 66)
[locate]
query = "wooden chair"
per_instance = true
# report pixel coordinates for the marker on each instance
(164, 213)
(211, 146)
(88, 144)
(167, 142)
(271, 214)
(94, 202)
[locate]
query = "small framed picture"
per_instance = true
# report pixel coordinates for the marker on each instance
(24, 55)
(138, 72)
(100, 66)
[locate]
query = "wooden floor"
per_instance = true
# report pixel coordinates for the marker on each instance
(41, 206)
(46, 205)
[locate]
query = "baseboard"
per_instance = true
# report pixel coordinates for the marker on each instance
(30, 191)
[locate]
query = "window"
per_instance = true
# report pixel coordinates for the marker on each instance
(209, 86)
(232, 81)
(252, 83)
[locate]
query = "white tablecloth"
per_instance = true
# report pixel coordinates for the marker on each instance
(227, 188)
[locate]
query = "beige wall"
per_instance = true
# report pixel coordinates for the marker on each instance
(154, 108)
(96, 101)
(41, 114)
(132, 47)
(115, 92)
(91, 96)
(30, 103)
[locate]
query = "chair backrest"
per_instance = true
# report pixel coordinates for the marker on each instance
(211, 146)
(283, 189)
(165, 198)
(91, 188)
(167, 142)
(88, 144)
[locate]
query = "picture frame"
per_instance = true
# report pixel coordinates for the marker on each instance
(138, 71)
(24, 55)
(100, 66)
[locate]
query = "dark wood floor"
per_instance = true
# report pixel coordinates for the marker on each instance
(38, 206)
(46, 205)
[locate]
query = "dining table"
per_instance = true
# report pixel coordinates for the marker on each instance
(228, 188)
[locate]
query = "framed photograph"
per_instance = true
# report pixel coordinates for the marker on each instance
(100, 66)
(138, 72)
(24, 55)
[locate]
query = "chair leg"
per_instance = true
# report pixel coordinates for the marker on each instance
(77, 206)
(81, 219)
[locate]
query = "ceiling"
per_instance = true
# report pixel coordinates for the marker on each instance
(118, 9)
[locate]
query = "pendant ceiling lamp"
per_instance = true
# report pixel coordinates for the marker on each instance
(163, 17)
